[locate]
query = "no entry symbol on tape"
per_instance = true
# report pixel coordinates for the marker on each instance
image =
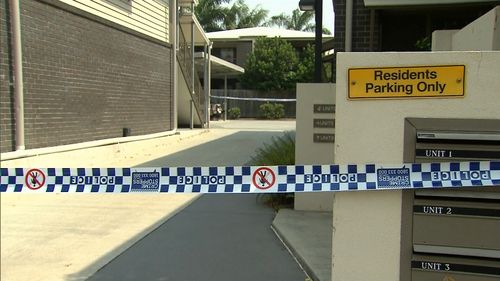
(263, 178)
(34, 179)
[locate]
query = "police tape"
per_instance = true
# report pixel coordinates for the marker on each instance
(273, 179)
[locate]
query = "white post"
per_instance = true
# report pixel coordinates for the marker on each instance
(173, 13)
(225, 97)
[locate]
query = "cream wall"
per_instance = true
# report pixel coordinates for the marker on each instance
(307, 151)
(149, 17)
(367, 225)
(482, 34)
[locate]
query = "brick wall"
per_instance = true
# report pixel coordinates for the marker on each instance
(6, 105)
(84, 80)
(360, 28)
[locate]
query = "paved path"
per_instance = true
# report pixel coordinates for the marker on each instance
(218, 237)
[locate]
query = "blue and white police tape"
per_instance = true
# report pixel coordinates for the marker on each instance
(300, 178)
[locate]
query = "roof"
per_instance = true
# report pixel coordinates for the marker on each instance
(401, 3)
(219, 67)
(200, 37)
(255, 32)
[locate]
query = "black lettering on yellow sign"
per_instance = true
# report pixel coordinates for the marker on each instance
(399, 82)
(405, 88)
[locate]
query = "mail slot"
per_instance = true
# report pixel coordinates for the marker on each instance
(436, 146)
(451, 234)
(443, 268)
(454, 227)
(449, 140)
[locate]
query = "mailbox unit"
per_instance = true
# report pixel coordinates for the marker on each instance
(451, 235)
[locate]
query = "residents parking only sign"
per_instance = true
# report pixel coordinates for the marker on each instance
(406, 82)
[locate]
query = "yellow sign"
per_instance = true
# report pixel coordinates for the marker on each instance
(406, 82)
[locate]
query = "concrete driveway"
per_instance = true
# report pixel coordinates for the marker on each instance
(69, 237)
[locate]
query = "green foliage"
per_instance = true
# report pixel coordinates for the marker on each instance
(214, 16)
(234, 113)
(305, 69)
(211, 14)
(239, 15)
(298, 20)
(275, 65)
(272, 111)
(423, 44)
(281, 151)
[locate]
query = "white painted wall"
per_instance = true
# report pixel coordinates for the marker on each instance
(482, 34)
(307, 151)
(367, 225)
(442, 40)
(149, 17)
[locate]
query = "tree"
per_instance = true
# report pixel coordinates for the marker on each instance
(211, 14)
(214, 16)
(299, 20)
(275, 65)
(239, 15)
(305, 70)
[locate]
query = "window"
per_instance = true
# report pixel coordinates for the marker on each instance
(228, 54)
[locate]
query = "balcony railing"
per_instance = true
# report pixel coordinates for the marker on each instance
(185, 59)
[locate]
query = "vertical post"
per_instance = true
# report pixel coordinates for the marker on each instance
(205, 81)
(191, 112)
(209, 81)
(193, 93)
(372, 30)
(192, 48)
(225, 97)
(348, 26)
(175, 47)
(318, 44)
(18, 73)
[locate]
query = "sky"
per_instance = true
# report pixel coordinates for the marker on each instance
(277, 7)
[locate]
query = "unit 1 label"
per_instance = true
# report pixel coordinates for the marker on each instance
(324, 138)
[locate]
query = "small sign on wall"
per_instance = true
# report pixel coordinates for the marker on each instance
(406, 82)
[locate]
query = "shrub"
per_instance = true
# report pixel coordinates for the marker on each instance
(281, 151)
(272, 111)
(234, 113)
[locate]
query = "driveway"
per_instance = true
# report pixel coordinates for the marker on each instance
(218, 237)
(69, 237)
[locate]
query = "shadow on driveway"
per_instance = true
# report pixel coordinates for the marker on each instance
(217, 238)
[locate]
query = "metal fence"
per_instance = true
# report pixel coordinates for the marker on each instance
(250, 108)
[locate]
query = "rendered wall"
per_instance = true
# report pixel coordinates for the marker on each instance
(367, 225)
(481, 35)
(306, 150)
